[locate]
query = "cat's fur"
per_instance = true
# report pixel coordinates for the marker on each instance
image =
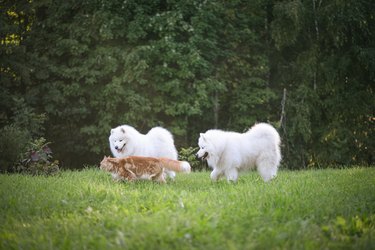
(133, 168)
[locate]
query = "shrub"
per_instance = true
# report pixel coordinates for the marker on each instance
(188, 154)
(13, 142)
(37, 159)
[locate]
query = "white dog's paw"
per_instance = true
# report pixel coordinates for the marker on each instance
(216, 175)
(268, 178)
(232, 175)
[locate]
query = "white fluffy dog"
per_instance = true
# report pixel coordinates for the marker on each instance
(229, 152)
(158, 142)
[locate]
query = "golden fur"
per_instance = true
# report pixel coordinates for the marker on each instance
(136, 167)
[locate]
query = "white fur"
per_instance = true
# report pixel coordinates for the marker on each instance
(158, 142)
(186, 167)
(230, 152)
(146, 177)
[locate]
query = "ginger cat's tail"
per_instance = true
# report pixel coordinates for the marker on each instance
(178, 166)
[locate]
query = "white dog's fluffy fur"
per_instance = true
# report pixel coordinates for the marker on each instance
(158, 142)
(229, 152)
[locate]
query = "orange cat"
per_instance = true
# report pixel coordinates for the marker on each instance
(136, 167)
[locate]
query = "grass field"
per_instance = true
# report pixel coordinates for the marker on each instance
(315, 209)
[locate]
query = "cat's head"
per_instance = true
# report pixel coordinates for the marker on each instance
(108, 164)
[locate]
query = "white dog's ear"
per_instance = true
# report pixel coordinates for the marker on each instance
(112, 131)
(123, 130)
(202, 136)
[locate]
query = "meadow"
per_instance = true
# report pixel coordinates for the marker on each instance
(310, 209)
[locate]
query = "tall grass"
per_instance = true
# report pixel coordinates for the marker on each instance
(313, 209)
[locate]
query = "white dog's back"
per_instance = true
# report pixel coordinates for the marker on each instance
(162, 139)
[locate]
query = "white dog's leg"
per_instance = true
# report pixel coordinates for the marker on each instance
(231, 174)
(216, 174)
(267, 169)
(169, 174)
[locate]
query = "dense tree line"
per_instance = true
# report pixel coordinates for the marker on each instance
(71, 70)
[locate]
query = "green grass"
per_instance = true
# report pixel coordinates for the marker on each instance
(315, 209)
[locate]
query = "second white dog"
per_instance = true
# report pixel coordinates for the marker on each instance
(230, 152)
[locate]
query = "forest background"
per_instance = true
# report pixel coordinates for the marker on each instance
(72, 70)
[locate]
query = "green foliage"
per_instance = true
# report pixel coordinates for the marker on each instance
(326, 77)
(18, 127)
(72, 70)
(37, 159)
(25, 117)
(287, 23)
(314, 209)
(13, 142)
(15, 22)
(188, 154)
(346, 229)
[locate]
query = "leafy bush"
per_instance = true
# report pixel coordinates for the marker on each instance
(37, 159)
(188, 154)
(13, 142)
(19, 125)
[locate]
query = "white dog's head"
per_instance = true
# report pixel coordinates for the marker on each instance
(118, 139)
(205, 147)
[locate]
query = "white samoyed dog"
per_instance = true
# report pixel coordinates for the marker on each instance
(126, 141)
(230, 152)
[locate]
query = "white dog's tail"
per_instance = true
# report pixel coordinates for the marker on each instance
(161, 134)
(178, 166)
(265, 130)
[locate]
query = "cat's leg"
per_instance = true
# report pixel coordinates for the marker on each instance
(128, 175)
(116, 177)
(159, 177)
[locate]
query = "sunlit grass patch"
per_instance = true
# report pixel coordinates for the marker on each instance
(298, 210)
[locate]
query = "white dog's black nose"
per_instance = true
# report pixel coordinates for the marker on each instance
(116, 147)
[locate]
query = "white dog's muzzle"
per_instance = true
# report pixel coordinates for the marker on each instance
(120, 149)
(203, 157)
